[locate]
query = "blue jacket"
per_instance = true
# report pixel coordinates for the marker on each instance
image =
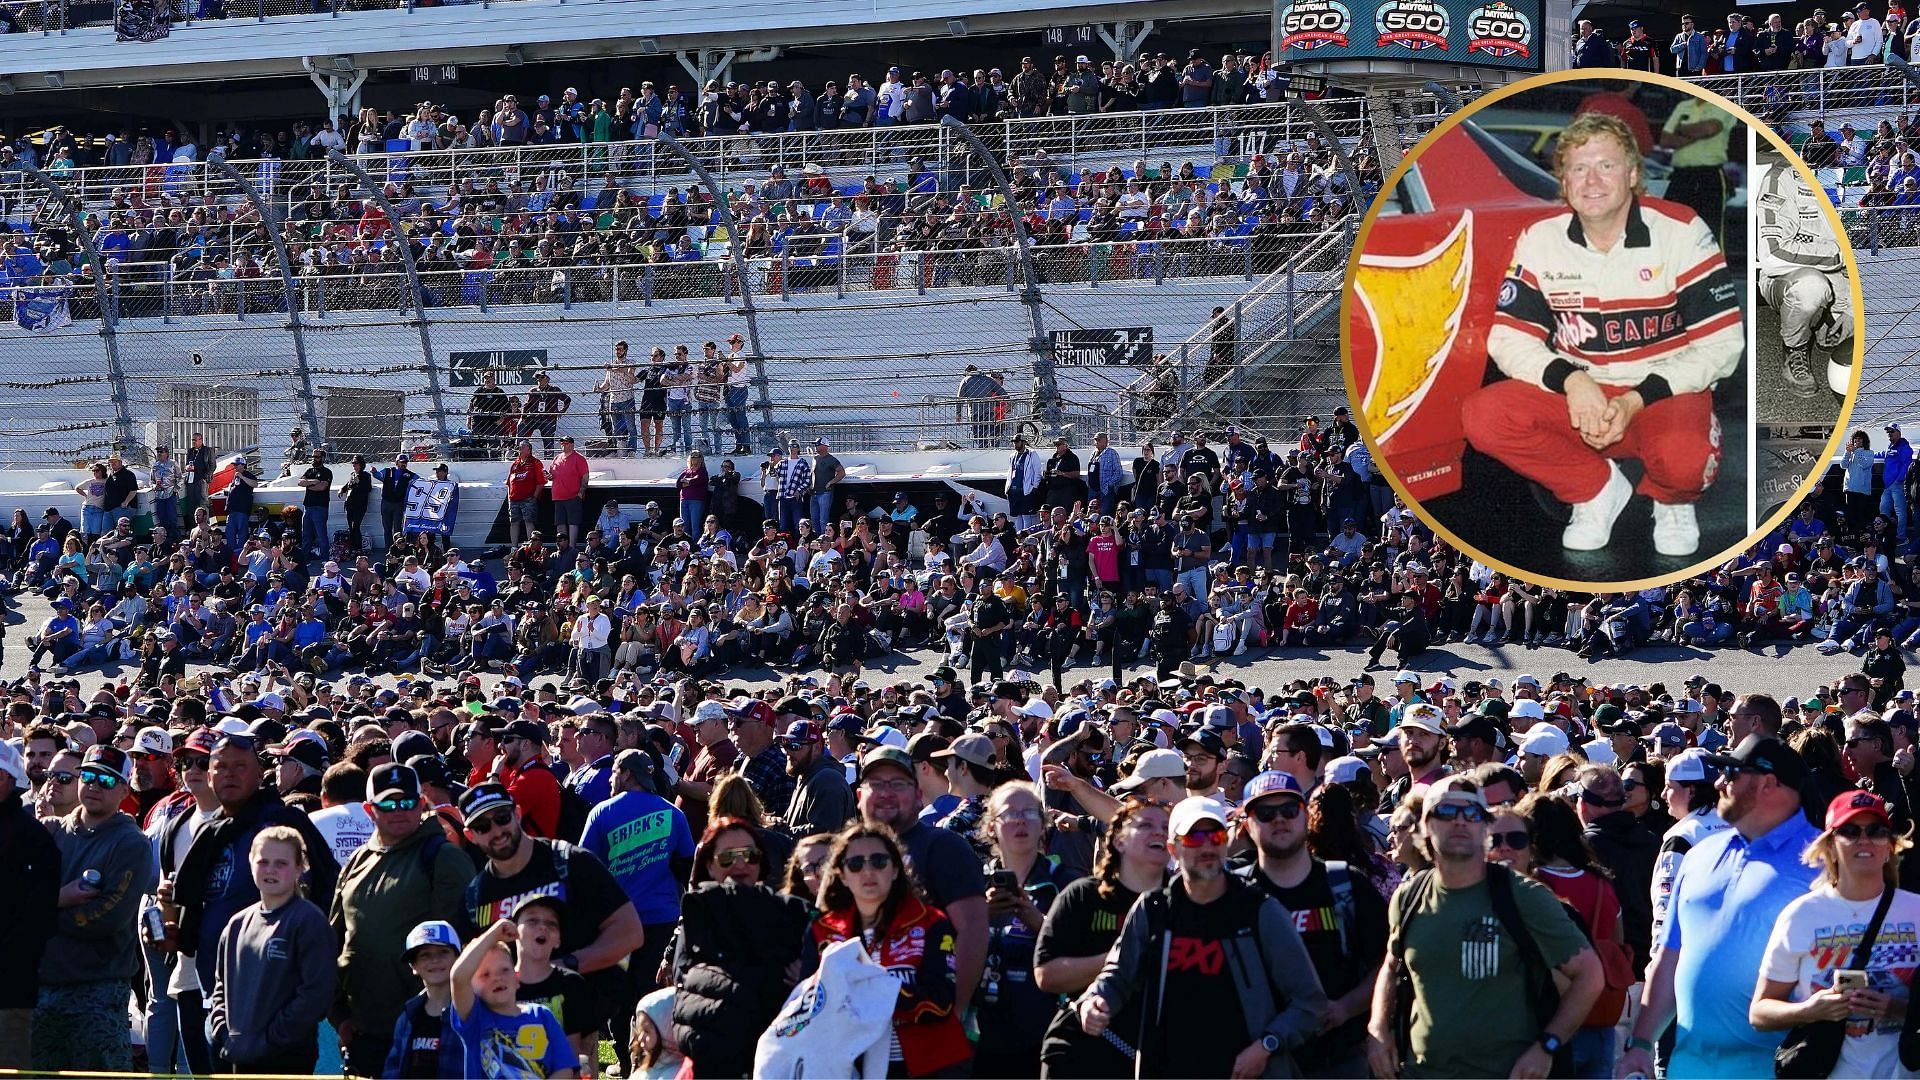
(1692, 52)
(453, 1053)
(1898, 459)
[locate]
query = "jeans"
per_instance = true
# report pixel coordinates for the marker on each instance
(165, 1055)
(1697, 630)
(820, 509)
(737, 415)
(680, 415)
(1893, 503)
(166, 514)
(239, 523)
(313, 531)
(791, 511)
(623, 422)
(117, 515)
(710, 425)
(1593, 1051)
(393, 518)
(694, 513)
(93, 521)
(427, 644)
(1196, 581)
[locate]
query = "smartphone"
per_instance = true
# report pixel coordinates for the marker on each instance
(1007, 881)
(1847, 981)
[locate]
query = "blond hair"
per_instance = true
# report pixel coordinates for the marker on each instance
(1593, 125)
(283, 834)
(1824, 855)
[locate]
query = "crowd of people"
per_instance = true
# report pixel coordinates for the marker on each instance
(490, 876)
(1701, 46)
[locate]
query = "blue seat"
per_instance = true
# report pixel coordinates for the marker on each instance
(656, 205)
(1086, 213)
(473, 286)
(1203, 171)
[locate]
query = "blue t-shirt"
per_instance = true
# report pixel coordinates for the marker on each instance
(1726, 898)
(943, 804)
(529, 1045)
(637, 835)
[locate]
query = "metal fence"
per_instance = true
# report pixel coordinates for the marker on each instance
(1774, 96)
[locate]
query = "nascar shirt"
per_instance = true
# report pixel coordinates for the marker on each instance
(1658, 313)
(1794, 233)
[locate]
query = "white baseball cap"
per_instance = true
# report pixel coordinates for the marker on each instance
(1527, 709)
(1193, 811)
(1600, 752)
(1345, 770)
(1543, 739)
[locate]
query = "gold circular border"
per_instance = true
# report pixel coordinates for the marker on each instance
(1755, 125)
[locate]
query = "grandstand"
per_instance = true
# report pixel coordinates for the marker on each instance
(867, 267)
(1864, 179)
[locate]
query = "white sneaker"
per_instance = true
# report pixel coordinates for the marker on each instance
(1838, 376)
(1676, 531)
(1592, 524)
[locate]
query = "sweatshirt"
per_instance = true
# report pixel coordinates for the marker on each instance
(273, 980)
(97, 940)
(384, 892)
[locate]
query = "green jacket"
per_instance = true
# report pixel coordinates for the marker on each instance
(383, 894)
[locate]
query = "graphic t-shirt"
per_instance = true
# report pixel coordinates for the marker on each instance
(588, 894)
(1083, 923)
(569, 996)
(1343, 948)
(1818, 934)
(1471, 1014)
(638, 835)
(528, 1045)
(347, 828)
(1200, 993)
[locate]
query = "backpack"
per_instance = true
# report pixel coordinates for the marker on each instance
(574, 809)
(1539, 977)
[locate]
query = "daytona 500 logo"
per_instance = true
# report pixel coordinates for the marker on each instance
(1314, 24)
(1411, 24)
(1498, 30)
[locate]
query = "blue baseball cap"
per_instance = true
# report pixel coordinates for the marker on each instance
(1272, 782)
(432, 932)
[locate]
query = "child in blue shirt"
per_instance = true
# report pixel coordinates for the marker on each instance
(504, 1039)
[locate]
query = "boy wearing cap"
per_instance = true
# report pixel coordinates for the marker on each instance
(93, 954)
(422, 1046)
(1185, 948)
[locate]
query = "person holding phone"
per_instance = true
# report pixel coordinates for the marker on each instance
(1022, 882)
(1809, 974)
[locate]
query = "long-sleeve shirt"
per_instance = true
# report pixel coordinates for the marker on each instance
(1657, 313)
(273, 980)
(796, 478)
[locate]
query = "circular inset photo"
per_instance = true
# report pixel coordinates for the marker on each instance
(1572, 314)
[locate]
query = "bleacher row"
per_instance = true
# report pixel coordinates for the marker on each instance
(510, 226)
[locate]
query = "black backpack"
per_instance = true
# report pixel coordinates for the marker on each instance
(574, 809)
(1539, 977)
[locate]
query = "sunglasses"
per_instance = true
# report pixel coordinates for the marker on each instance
(489, 821)
(1207, 837)
(1518, 840)
(1029, 815)
(1592, 799)
(1850, 831)
(100, 778)
(190, 762)
(1458, 812)
(1265, 813)
(62, 777)
(390, 805)
(727, 858)
(879, 860)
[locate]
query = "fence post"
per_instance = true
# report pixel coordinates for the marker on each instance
(418, 299)
(102, 291)
(756, 354)
(1045, 387)
(271, 216)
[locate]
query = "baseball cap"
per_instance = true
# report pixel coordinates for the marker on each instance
(708, 710)
(1849, 805)
(1423, 717)
(802, 733)
(393, 781)
(481, 798)
(1452, 789)
(925, 746)
(13, 765)
(1765, 754)
(1475, 726)
(1345, 770)
(1692, 765)
(1670, 734)
(432, 932)
(886, 755)
(1272, 782)
(307, 752)
(1152, 765)
(153, 740)
(972, 748)
(1544, 739)
(530, 730)
(1527, 710)
(1195, 810)
(1206, 741)
(110, 758)
(885, 735)
(752, 709)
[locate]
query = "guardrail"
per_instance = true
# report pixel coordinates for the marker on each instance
(1777, 95)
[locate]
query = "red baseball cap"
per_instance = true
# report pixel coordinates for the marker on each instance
(1849, 805)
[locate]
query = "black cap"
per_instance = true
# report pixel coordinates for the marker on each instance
(1476, 726)
(1206, 741)
(1764, 754)
(431, 770)
(531, 730)
(111, 758)
(481, 798)
(413, 744)
(923, 746)
(393, 781)
(308, 752)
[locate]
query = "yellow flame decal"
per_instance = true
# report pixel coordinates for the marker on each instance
(1415, 319)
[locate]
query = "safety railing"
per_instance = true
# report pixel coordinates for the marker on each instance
(1775, 96)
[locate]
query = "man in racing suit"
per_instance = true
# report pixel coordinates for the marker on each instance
(1803, 277)
(1616, 318)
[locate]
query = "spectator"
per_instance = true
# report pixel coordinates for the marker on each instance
(498, 1031)
(274, 977)
(30, 909)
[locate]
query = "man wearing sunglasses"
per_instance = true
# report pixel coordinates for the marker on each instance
(87, 971)
(598, 925)
(1185, 947)
(405, 874)
(1341, 918)
(1474, 1013)
(1728, 894)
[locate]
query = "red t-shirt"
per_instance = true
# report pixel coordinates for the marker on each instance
(1593, 897)
(525, 478)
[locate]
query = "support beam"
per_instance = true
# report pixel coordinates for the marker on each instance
(706, 65)
(342, 90)
(1124, 38)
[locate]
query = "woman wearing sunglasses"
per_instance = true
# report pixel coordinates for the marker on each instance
(737, 953)
(867, 894)
(1808, 975)
(1023, 881)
